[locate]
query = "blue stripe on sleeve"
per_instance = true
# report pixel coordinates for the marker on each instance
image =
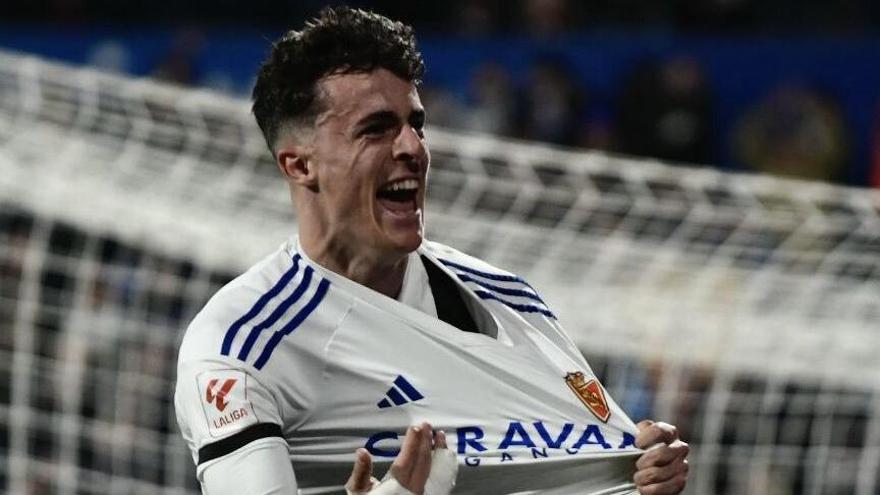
(293, 323)
(407, 388)
(491, 276)
(258, 306)
(522, 308)
(279, 311)
(501, 290)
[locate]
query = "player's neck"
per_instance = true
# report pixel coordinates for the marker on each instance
(381, 274)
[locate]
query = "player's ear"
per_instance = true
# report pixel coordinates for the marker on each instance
(294, 163)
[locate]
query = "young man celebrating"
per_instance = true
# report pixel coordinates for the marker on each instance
(359, 335)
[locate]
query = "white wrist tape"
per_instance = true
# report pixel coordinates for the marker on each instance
(444, 469)
(441, 478)
(374, 482)
(389, 487)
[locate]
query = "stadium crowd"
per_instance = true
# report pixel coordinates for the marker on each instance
(664, 107)
(485, 17)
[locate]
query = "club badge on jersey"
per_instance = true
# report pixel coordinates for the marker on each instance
(224, 401)
(590, 393)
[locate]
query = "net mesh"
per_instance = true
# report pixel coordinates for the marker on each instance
(742, 308)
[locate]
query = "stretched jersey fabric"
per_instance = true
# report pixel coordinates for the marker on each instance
(290, 351)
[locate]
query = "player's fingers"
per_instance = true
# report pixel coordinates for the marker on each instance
(663, 455)
(360, 479)
(413, 465)
(440, 440)
(403, 463)
(422, 465)
(641, 425)
(659, 474)
(654, 433)
(672, 486)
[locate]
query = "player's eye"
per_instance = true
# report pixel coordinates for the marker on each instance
(420, 129)
(375, 129)
(378, 125)
(417, 122)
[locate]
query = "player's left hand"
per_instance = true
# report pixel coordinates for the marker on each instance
(663, 468)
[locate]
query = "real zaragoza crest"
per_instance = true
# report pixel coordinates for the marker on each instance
(590, 393)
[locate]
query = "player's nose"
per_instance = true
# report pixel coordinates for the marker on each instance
(409, 147)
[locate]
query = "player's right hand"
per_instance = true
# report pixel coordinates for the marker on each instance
(413, 465)
(424, 465)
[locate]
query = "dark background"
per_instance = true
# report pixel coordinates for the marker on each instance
(781, 86)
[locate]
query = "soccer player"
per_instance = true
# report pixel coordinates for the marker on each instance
(358, 336)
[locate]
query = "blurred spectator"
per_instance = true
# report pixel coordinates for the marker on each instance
(443, 106)
(539, 17)
(110, 56)
(492, 106)
(549, 18)
(15, 230)
(550, 106)
(546, 18)
(665, 111)
(596, 129)
(179, 64)
(477, 18)
(874, 178)
(793, 131)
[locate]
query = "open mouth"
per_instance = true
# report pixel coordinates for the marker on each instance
(399, 195)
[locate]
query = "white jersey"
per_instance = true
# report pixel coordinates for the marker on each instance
(292, 351)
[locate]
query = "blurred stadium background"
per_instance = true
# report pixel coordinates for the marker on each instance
(689, 181)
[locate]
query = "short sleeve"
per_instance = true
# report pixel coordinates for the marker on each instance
(222, 406)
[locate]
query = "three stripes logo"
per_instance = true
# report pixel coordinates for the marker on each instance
(400, 393)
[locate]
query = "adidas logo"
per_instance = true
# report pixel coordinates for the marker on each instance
(400, 393)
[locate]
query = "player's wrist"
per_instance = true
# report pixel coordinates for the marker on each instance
(389, 486)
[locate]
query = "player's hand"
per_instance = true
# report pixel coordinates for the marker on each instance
(663, 469)
(424, 461)
(413, 465)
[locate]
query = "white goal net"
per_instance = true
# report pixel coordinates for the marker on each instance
(745, 309)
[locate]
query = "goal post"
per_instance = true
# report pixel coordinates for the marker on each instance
(742, 308)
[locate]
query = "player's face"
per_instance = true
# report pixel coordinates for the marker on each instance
(372, 161)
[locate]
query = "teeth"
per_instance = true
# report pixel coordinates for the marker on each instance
(409, 184)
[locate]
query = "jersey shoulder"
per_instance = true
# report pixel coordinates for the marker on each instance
(256, 349)
(247, 318)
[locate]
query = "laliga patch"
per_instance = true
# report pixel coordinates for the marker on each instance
(224, 401)
(590, 393)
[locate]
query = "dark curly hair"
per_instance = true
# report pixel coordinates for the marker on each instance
(340, 40)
